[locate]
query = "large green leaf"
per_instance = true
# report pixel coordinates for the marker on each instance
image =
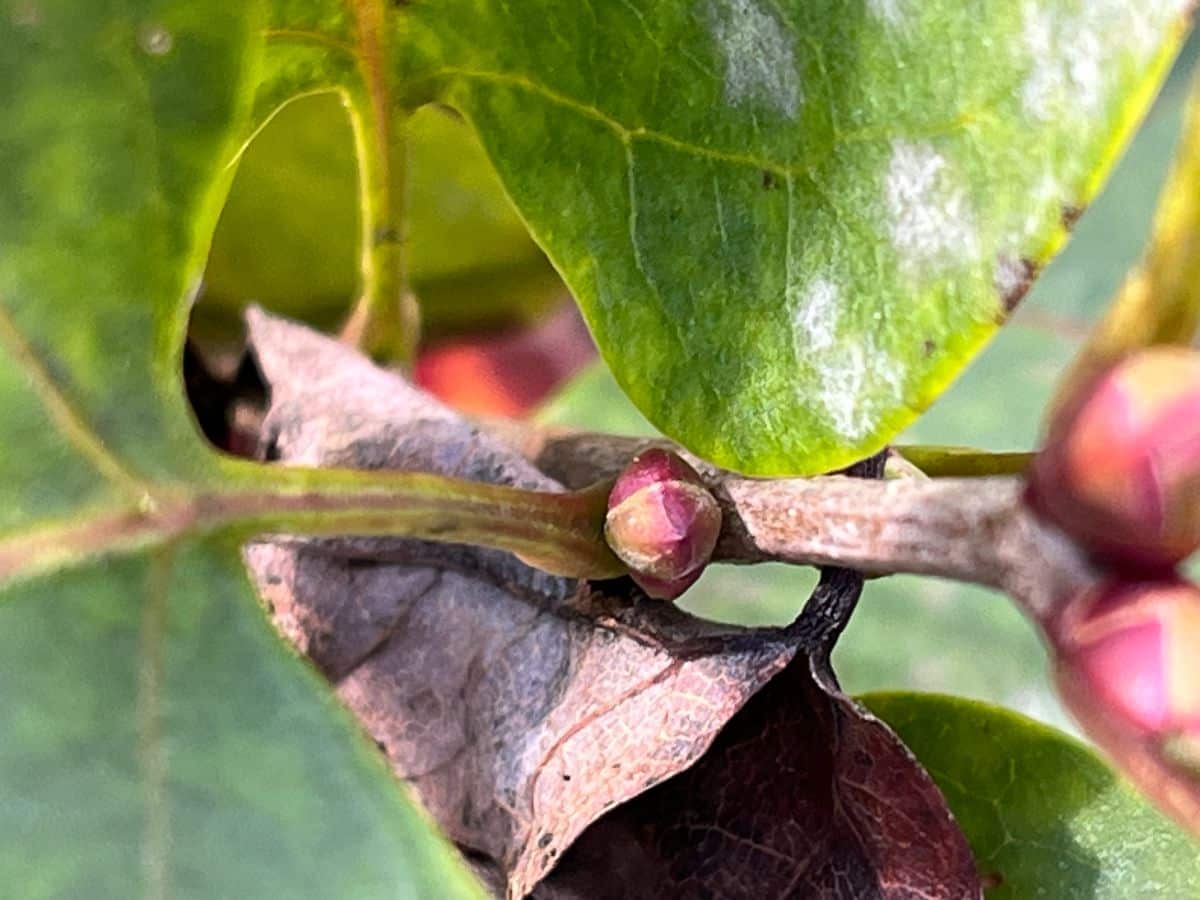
(155, 738)
(791, 223)
(1045, 816)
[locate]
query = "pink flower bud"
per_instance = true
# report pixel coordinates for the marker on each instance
(1120, 471)
(662, 523)
(1127, 661)
(1128, 657)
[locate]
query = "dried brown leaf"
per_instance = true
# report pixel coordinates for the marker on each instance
(804, 794)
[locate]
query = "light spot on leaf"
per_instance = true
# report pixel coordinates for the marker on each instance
(1071, 56)
(1011, 274)
(815, 315)
(857, 380)
(26, 15)
(857, 377)
(1047, 195)
(929, 217)
(155, 40)
(1066, 65)
(891, 12)
(760, 65)
(842, 376)
(1013, 278)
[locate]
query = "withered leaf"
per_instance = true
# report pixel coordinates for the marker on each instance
(804, 794)
(522, 707)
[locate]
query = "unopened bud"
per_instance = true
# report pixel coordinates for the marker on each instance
(662, 523)
(1127, 662)
(1120, 471)
(1131, 652)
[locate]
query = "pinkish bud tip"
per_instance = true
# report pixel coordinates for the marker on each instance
(1120, 471)
(1127, 663)
(1129, 654)
(662, 523)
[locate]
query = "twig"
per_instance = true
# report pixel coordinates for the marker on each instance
(976, 530)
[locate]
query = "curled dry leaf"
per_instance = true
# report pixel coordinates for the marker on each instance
(522, 707)
(804, 794)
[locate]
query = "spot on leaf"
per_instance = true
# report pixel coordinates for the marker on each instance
(760, 65)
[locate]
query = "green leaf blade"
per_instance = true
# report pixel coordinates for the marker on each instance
(116, 121)
(156, 737)
(42, 475)
(1041, 810)
(790, 225)
(159, 740)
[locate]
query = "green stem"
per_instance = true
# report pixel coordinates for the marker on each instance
(559, 532)
(385, 321)
(963, 462)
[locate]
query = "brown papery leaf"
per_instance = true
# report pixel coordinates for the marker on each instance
(522, 707)
(804, 794)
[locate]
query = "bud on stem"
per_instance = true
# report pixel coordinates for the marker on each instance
(1127, 662)
(1132, 652)
(662, 523)
(1120, 471)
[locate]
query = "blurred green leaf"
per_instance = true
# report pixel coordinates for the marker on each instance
(1045, 816)
(295, 250)
(942, 461)
(156, 739)
(292, 250)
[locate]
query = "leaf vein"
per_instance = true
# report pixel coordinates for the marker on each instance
(312, 37)
(69, 421)
(960, 121)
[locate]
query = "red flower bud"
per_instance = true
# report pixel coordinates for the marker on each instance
(1120, 471)
(662, 523)
(1128, 657)
(1127, 661)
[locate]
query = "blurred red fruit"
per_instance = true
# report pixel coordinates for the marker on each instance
(1120, 471)
(509, 373)
(662, 522)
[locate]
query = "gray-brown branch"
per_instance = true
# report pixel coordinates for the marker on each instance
(967, 529)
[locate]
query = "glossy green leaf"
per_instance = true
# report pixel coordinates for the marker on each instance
(1045, 816)
(785, 249)
(791, 223)
(155, 738)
